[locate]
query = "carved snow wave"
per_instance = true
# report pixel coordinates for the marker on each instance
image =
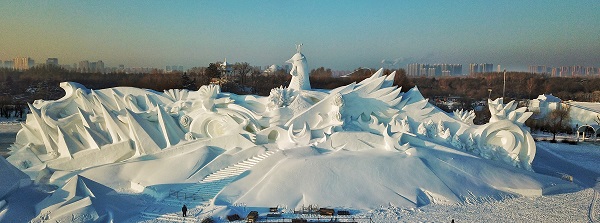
(132, 122)
(88, 128)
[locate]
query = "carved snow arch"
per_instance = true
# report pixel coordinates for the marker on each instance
(582, 129)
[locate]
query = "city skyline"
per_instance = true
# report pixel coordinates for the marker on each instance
(335, 34)
(413, 69)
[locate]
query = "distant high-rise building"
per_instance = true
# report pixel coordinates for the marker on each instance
(434, 70)
(93, 67)
(52, 62)
(84, 66)
(9, 64)
(481, 68)
(474, 68)
(539, 69)
(23, 63)
(488, 67)
(555, 72)
(564, 71)
(99, 67)
(591, 71)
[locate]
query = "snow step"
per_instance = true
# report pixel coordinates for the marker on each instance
(242, 165)
(213, 183)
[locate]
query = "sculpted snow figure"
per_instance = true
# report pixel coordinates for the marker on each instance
(86, 129)
(300, 76)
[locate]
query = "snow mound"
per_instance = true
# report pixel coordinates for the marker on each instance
(11, 179)
(369, 179)
(358, 146)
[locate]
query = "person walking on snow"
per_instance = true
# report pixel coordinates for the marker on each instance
(184, 210)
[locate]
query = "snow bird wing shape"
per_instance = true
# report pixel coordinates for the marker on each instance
(374, 95)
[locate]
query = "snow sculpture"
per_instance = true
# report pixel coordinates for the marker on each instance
(300, 79)
(12, 179)
(88, 128)
(66, 134)
(505, 137)
(465, 116)
(280, 97)
(71, 197)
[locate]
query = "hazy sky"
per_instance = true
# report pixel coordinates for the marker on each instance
(336, 34)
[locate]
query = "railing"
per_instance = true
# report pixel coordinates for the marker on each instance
(185, 195)
(338, 219)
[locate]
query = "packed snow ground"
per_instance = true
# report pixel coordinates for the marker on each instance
(568, 207)
(574, 206)
(579, 205)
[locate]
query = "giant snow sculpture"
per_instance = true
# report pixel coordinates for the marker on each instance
(299, 71)
(88, 128)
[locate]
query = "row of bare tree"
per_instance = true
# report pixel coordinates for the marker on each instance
(20, 87)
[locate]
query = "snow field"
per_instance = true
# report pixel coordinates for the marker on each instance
(567, 207)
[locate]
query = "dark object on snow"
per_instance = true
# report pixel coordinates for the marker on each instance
(184, 210)
(273, 215)
(343, 212)
(252, 217)
(208, 220)
(233, 217)
(326, 211)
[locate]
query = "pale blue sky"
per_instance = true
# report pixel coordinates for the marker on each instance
(335, 34)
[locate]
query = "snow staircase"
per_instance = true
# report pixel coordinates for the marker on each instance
(212, 184)
(236, 169)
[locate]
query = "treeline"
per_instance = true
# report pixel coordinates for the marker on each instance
(519, 85)
(42, 82)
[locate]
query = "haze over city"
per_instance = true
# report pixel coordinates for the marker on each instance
(337, 34)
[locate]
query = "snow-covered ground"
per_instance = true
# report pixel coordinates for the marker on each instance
(580, 160)
(569, 207)
(585, 154)
(578, 205)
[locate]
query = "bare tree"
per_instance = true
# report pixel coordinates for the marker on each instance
(243, 70)
(558, 120)
(531, 84)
